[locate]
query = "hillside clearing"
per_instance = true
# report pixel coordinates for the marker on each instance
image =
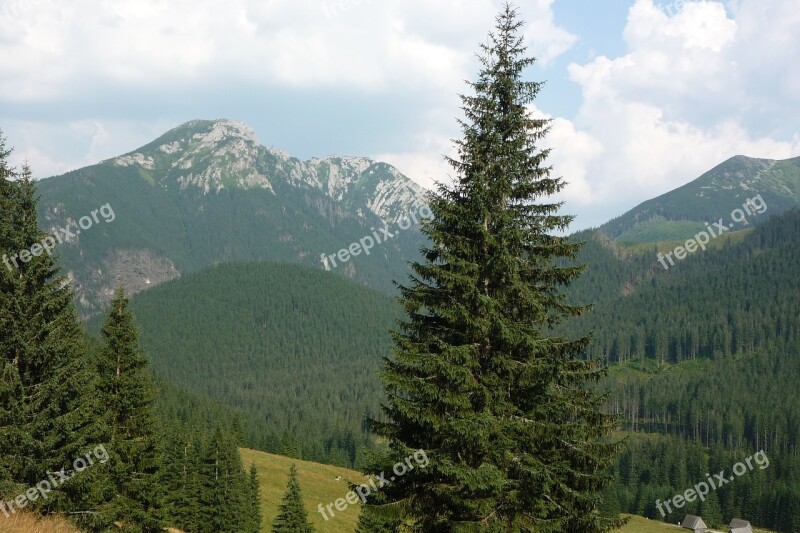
(319, 485)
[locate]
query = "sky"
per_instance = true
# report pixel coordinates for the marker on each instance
(644, 95)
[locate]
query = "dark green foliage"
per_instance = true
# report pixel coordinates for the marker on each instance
(374, 519)
(225, 490)
(207, 488)
(515, 438)
(125, 392)
(293, 351)
(706, 352)
(715, 304)
(55, 406)
(45, 391)
(252, 518)
(657, 468)
(292, 516)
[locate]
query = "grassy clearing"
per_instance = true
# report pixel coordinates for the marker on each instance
(667, 246)
(21, 522)
(638, 524)
(318, 483)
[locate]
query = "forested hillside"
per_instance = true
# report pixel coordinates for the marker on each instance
(294, 349)
(718, 303)
(79, 430)
(706, 354)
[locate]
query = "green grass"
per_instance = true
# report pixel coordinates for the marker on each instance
(667, 246)
(646, 368)
(319, 485)
(638, 524)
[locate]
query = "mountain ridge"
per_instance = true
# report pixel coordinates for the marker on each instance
(201, 145)
(681, 212)
(206, 192)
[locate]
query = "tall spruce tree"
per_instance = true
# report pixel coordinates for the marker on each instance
(45, 394)
(126, 395)
(11, 393)
(253, 517)
(292, 516)
(181, 480)
(502, 407)
(224, 485)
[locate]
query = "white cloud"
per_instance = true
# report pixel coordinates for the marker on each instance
(51, 48)
(79, 52)
(677, 103)
(545, 40)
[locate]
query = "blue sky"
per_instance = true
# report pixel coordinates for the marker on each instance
(644, 95)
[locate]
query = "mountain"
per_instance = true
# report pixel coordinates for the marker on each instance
(207, 192)
(681, 213)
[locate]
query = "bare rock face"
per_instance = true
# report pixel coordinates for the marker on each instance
(136, 270)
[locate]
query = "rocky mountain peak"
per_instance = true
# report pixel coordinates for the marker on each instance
(211, 155)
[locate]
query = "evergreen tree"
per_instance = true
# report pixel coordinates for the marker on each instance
(253, 518)
(292, 516)
(47, 404)
(126, 392)
(224, 484)
(711, 512)
(11, 391)
(503, 408)
(181, 480)
(372, 520)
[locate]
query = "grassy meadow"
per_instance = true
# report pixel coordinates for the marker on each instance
(319, 485)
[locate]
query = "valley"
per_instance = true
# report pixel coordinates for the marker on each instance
(293, 350)
(435, 268)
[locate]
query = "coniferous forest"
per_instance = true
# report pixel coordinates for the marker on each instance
(63, 394)
(554, 382)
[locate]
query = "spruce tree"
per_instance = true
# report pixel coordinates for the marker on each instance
(46, 396)
(126, 393)
(253, 518)
(180, 478)
(224, 484)
(11, 391)
(292, 516)
(503, 407)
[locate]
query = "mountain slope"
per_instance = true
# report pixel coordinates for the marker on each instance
(681, 213)
(294, 349)
(318, 482)
(207, 193)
